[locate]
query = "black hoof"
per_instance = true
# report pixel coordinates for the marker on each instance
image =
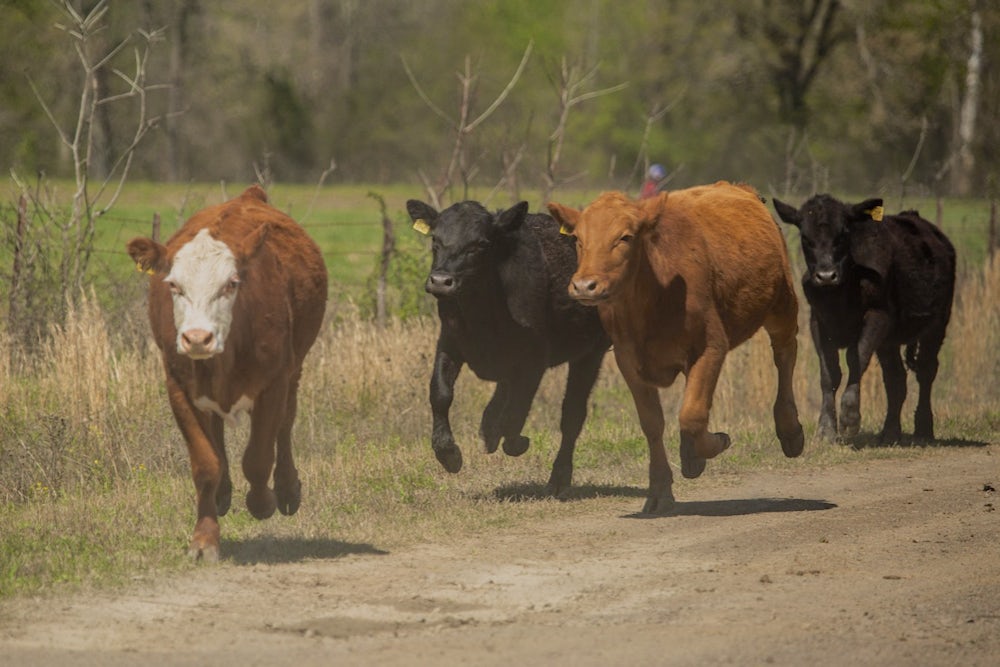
(516, 446)
(450, 458)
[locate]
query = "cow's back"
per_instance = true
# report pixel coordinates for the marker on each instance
(922, 277)
(729, 250)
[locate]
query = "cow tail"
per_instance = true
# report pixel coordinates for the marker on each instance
(912, 353)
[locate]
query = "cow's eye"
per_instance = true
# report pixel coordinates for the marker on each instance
(175, 289)
(230, 287)
(625, 238)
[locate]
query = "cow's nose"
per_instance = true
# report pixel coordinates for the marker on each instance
(197, 340)
(585, 287)
(441, 283)
(826, 277)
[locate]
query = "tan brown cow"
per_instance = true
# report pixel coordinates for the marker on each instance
(236, 300)
(679, 280)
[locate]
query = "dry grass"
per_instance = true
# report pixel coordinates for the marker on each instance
(94, 481)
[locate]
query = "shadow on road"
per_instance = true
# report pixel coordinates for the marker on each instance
(739, 507)
(514, 493)
(273, 550)
(871, 441)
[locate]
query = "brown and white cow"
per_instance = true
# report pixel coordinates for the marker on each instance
(236, 299)
(679, 280)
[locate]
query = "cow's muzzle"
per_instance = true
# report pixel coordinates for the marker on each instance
(441, 284)
(826, 277)
(588, 290)
(198, 343)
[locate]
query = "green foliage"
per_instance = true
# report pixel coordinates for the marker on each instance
(303, 84)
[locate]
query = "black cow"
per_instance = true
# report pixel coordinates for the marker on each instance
(500, 283)
(874, 284)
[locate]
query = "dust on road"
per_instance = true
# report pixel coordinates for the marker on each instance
(886, 562)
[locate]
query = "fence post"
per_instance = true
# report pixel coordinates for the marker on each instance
(156, 227)
(388, 247)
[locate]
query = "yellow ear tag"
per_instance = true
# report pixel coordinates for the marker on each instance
(138, 267)
(876, 214)
(422, 227)
(564, 230)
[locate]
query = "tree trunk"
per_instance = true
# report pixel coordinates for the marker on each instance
(965, 161)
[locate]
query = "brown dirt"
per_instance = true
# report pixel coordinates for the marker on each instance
(893, 562)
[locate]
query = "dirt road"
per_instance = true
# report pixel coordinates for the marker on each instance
(886, 562)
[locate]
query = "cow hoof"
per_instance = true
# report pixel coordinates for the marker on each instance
(224, 497)
(491, 442)
(516, 446)
(205, 541)
(890, 436)
(450, 458)
(261, 503)
(208, 553)
(289, 497)
(559, 483)
(661, 504)
(692, 465)
(792, 446)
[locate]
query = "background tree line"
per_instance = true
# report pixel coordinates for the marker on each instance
(789, 95)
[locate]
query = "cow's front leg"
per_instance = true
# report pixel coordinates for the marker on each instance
(697, 444)
(660, 499)
(258, 460)
(205, 471)
(829, 380)
(873, 332)
(447, 364)
(523, 387)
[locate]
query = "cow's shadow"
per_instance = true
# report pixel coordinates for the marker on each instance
(739, 507)
(273, 550)
(526, 492)
(871, 441)
(529, 491)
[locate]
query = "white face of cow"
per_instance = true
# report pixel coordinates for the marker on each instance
(203, 281)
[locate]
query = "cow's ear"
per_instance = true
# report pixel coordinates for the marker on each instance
(787, 213)
(252, 243)
(512, 218)
(148, 255)
(651, 209)
(423, 215)
(566, 217)
(869, 209)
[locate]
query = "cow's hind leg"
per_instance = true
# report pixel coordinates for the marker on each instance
(786, 415)
(697, 444)
(258, 459)
(224, 494)
(491, 426)
(894, 378)
(521, 393)
(926, 366)
(579, 382)
(287, 486)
